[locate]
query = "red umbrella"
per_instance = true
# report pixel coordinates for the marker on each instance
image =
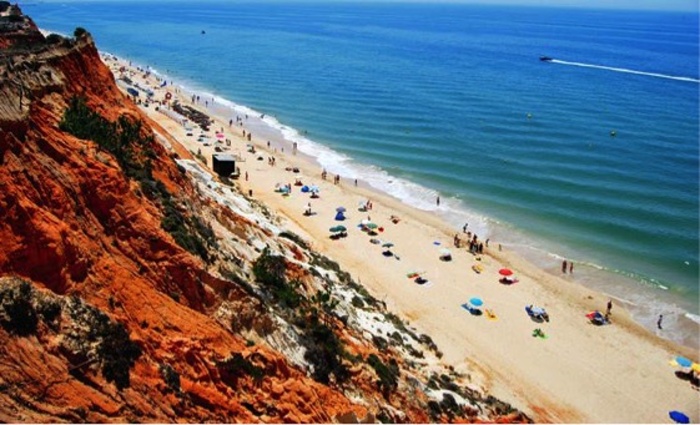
(505, 272)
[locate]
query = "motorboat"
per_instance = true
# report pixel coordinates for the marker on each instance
(545, 59)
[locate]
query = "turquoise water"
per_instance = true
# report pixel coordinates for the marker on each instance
(420, 100)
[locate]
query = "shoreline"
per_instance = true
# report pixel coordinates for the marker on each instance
(648, 301)
(562, 375)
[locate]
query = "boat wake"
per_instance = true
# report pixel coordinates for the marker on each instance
(626, 71)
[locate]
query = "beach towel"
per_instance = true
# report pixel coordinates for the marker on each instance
(490, 314)
(538, 333)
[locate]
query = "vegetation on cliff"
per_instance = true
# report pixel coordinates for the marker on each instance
(130, 144)
(88, 333)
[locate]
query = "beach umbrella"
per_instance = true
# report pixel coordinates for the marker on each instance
(505, 272)
(593, 314)
(341, 209)
(683, 362)
(388, 245)
(538, 310)
(476, 302)
(371, 225)
(338, 228)
(219, 135)
(314, 189)
(695, 367)
(679, 417)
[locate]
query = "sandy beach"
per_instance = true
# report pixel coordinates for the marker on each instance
(579, 373)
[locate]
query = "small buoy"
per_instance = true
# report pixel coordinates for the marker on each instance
(613, 133)
(204, 32)
(529, 116)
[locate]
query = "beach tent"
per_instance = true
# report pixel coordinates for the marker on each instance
(339, 216)
(679, 417)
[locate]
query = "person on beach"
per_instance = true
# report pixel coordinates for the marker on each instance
(609, 309)
(438, 201)
(487, 243)
(464, 229)
(658, 322)
(571, 267)
(563, 266)
(246, 176)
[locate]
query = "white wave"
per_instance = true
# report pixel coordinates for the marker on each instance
(627, 71)
(694, 317)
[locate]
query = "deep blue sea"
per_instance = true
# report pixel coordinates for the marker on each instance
(592, 157)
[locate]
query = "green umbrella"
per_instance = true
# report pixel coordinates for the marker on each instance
(338, 228)
(371, 226)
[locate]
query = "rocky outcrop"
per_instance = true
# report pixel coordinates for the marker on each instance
(133, 288)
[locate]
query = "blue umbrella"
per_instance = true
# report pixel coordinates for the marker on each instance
(476, 302)
(679, 417)
(683, 362)
(340, 209)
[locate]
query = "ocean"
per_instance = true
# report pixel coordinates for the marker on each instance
(590, 157)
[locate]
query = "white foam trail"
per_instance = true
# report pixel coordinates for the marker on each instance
(626, 71)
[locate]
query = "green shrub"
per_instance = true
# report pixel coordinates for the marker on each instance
(79, 32)
(449, 405)
(357, 302)
(118, 354)
(295, 238)
(17, 314)
(388, 374)
(325, 353)
(54, 39)
(104, 342)
(236, 366)
(49, 310)
(170, 376)
(269, 269)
